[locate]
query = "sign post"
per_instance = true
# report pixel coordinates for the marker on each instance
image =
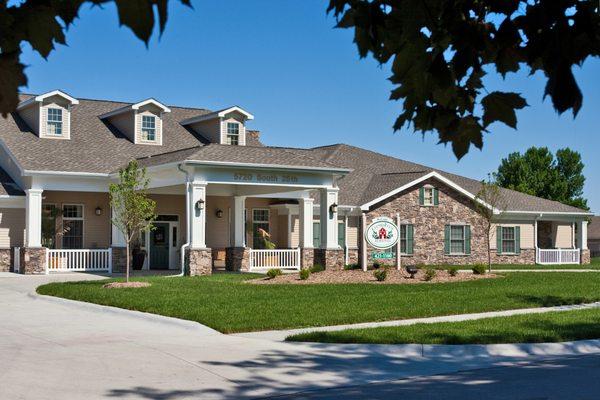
(383, 234)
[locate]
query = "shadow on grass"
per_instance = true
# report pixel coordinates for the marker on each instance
(549, 300)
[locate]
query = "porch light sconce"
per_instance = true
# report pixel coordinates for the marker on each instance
(98, 211)
(219, 213)
(333, 208)
(200, 205)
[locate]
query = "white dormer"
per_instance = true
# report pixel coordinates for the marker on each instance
(48, 114)
(141, 122)
(227, 126)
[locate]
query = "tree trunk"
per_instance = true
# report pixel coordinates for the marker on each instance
(489, 250)
(127, 262)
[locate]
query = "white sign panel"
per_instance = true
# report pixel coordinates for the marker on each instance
(382, 233)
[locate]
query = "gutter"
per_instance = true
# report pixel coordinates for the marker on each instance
(187, 222)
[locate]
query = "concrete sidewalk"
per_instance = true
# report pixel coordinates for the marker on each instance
(280, 335)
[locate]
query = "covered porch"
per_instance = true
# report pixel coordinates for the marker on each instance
(561, 241)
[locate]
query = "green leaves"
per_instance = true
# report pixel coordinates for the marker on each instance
(499, 106)
(42, 24)
(441, 48)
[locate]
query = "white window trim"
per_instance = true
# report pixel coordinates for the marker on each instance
(156, 133)
(49, 122)
(82, 219)
(464, 240)
(431, 189)
(514, 240)
(230, 135)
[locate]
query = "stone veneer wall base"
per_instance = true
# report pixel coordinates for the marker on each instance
(330, 258)
(586, 257)
(119, 259)
(33, 260)
(307, 258)
(198, 262)
(5, 260)
(237, 259)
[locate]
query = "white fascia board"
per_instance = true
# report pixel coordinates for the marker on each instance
(135, 106)
(432, 174)
(558, 213)
(217, 114)
(44, 96)
(28, 172)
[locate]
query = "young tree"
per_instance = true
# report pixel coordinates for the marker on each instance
(133, 211)
(488, 204)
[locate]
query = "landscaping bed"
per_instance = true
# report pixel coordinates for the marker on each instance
(358, 276)
(226, 303)
(549, 327)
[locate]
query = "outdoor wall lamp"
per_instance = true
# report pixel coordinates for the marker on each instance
(98, 211)
(219, 213)
(200, 205)
(333, 208)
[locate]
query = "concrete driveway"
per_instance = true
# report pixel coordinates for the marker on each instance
(58, 349)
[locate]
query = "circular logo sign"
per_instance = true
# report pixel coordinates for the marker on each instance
(382, 233)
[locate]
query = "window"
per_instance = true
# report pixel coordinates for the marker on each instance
(316, 234)
(149, 128)
(54, 122)
(428, 196)
(260, 220)
(508, 239)
(342, 233)
(72, 233)
(233, 133)
(49, 213)
(403, 241)
(457, 239)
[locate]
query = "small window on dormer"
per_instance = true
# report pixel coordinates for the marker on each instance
(54, 122)
(233, 133)
(149, 128)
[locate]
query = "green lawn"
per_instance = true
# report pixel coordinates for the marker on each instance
(225, 303)
(595, 264)
(532, 328)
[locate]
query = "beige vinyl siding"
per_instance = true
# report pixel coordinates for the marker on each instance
(352, 232)
(152, 111)
(12, 227)
(295, 231)
(31, 116)
(125, 124)
(242, 130)
(210, 130)
(96, 228)
(527, 239)
(56, 102)
(217, 229)
(563, 234)
(282, 230)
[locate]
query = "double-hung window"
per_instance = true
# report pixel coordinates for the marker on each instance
(233, 133)
(508, 239)
(428, 196)
(54, 122)
(149, 128)
(72, 221)
(457, 239)
(260, 221)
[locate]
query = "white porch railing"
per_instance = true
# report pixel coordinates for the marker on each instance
(79, 260)
(264, 260)
(558, 256)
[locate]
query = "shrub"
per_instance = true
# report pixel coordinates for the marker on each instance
(273, 272)
(317, 268)
(479, 269)
(380, 274)
(430, 273)
(453, 271)
(304, 274)
(349, 267)
(376, 265)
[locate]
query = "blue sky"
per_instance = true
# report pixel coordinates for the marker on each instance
(302, 79)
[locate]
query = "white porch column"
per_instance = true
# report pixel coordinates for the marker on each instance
(197, 212)
(329, 219)
(33, 217)
(117, 237)
(239, 224)
(363, 242)
(582, 234)
(306, 223)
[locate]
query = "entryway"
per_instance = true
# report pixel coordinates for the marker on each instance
(163, 243)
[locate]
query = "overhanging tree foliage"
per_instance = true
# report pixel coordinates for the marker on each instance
(133, 212)
(539, 173)
(441, 49)
(42, 23)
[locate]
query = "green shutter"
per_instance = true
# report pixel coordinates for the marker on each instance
(467, 239)
(436, 197)
(316, 235)
(410, 234)
(342, 234)
(421, 196)
(518, 239)
(499, 240)
(447, 239)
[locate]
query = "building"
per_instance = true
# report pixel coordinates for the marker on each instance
(594, 236)
(216, 185)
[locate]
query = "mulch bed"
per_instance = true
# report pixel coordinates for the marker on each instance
(122, 285)
(358, 276)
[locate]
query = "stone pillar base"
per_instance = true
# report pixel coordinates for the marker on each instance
(307, 258)
(330, 258)
(586, 257)
(5, 260)
(237, 259)
(353, 256)
(198, 262)
(119, 259)
(33, 260)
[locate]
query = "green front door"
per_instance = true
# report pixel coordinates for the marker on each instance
(159, 246)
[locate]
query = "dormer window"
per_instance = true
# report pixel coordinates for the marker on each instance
(233, 133)
(54, 122)
(148, 128)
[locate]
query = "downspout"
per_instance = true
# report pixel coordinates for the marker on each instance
(187, 221)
